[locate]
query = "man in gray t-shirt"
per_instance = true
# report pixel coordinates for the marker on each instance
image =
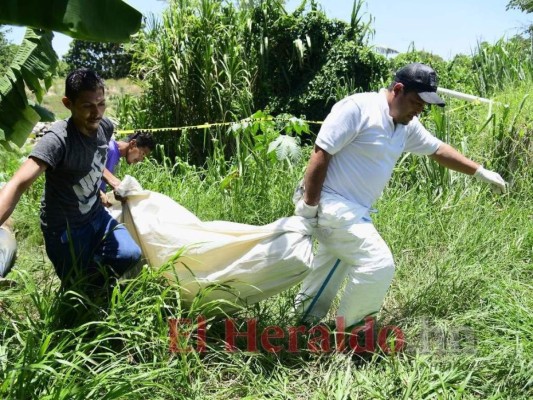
(83, 242)
(76, 162)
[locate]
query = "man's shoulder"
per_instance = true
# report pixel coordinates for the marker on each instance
(361, 103)
(108, 127)
(365, 98)
(59, 128)
(56, 134)
(107, 123)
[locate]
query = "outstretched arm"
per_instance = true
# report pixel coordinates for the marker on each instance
(450, 158)
(19, 183)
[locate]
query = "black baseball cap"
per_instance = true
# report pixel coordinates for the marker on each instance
(421, 78)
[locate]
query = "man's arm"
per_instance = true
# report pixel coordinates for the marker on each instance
(450, 158)
(19, 183)
(315, 175)
(110, 179)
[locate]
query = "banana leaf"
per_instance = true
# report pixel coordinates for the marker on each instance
(36, 60)
(96, 20)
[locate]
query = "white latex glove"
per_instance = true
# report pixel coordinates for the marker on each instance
(497, 182)
(305, 210)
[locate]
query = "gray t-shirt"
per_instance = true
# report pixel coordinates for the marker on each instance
(76, 163)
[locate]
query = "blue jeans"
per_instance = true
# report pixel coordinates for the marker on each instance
(92, 253)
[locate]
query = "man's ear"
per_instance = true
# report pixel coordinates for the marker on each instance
(397, 88)
(132, 143)
(67, 103)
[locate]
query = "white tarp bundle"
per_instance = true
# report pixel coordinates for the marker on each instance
(8, 250)
(8, 245)
(250, 263)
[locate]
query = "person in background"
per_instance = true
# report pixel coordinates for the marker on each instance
(133, 149)
(352, 161)
(82, 241)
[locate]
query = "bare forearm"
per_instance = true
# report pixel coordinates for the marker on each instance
(450, 158)
(110, 179)
(22, 180)
(9, 197)
(315, 175)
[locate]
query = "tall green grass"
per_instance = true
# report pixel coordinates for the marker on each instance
(504, 63)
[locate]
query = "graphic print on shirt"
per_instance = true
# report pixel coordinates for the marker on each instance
(87, 187)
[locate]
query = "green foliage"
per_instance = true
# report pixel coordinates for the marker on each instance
(460, 75)
(511, 132)
(502, 64)
(110, 60)
(7, 51)
(307, 61)
(524, 5)
(194, 64)
(290, 48)
(34, 63)
(349, 68)
(36, 60)
(103, 20)
(62, 69)
(210, 61)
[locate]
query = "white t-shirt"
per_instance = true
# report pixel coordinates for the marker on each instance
(360, 135)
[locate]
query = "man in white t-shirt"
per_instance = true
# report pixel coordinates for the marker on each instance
(352, 161)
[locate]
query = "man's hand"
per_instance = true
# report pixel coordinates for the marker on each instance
(119, 197)
(104, 199)
(115, 183)
(303, 209)
(493, 178)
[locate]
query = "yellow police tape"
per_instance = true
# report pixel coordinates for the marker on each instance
(210, 125)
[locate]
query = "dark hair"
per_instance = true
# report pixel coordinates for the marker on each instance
(142, 139)
(80, 80)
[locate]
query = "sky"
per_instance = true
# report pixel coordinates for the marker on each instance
(442, 27)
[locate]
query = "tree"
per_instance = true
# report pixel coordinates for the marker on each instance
(110, 60)
(7, 51)
(308, 61)
(524, 5)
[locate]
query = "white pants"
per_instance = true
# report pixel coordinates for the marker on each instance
(349, 245)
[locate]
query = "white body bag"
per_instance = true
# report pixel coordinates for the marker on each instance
(240, 263)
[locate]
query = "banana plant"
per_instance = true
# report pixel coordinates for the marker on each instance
(36, 61)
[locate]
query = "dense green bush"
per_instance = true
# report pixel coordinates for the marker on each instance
(350, 68)
(212, 61)
(194, 67)
(311, 61)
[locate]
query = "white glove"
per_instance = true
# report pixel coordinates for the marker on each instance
(305, 210)
(497, 182)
